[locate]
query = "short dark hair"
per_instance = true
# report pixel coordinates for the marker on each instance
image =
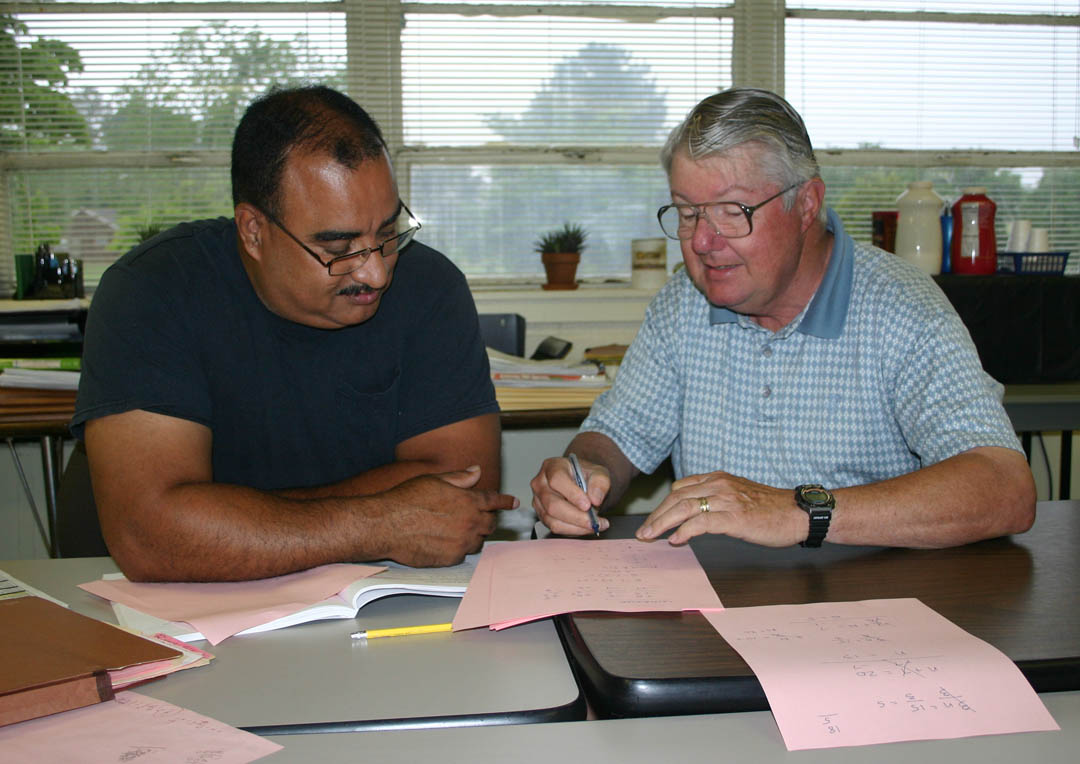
(312, 118)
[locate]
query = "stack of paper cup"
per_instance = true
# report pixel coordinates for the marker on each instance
(1039, 241)
(1019, 236)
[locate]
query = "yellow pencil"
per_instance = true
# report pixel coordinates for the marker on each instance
(401, 631)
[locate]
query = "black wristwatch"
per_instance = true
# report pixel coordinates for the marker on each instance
(818, 502)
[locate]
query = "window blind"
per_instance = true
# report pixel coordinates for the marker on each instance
(507, 119)
(524, 118)
(956, 92)
(115, 125)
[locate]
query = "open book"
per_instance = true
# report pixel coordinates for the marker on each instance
(396, 579)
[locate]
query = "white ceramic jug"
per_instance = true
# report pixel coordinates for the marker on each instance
(918, 226)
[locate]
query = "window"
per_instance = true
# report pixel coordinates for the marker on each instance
(508, 119)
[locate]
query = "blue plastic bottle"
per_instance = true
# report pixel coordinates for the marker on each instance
(946, 240)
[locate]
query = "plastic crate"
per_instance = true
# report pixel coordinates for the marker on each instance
(1032, 263)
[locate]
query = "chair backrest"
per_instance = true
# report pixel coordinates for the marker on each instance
(78, 532)
(504, 332)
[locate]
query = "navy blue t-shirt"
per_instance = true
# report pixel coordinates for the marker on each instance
(176, 328)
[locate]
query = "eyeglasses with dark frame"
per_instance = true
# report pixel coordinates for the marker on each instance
(347, 263)
(732, 220)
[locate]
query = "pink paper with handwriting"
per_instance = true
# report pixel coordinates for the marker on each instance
(131, 728)
(219, 610)
(522, 581)
(878, 671)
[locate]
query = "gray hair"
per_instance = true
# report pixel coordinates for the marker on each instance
(739, 116)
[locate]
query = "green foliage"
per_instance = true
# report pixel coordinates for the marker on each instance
(588, 93)
(569, 238)
(194, 92)
(148, 231)
(34, 110)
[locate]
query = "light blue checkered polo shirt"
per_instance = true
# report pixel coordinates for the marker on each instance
(876, 377)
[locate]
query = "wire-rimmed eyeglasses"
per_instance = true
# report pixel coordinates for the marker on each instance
(732, 220)
(404, 223)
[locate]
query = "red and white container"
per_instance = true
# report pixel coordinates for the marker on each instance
(974, 244)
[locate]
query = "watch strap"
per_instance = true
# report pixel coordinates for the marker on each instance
(820, 517)
(819, 512)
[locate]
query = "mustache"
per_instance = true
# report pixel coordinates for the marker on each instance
(356, 289)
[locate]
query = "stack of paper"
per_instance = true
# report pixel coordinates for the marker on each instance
(190, 657)
(520, 581)
(522, 384)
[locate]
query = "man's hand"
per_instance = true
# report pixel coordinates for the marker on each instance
(738, 507)
(441, 518)
(560, 504)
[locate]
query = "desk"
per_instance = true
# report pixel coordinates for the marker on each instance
(41, 414)
(1018, 593)
(1026, 328)
(1035, 408)
(737, 737)
(313, 677)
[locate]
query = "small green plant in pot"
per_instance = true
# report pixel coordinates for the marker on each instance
(560, 251)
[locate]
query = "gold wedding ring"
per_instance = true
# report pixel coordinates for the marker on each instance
(703, 502)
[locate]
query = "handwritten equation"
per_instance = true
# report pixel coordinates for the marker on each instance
(132, 729)
(562, 575)
(853, 673)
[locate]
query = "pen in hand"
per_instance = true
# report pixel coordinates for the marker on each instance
(575, 467)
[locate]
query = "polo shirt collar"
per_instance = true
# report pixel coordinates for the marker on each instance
(825, 315)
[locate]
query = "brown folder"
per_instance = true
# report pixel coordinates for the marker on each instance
(54, 659)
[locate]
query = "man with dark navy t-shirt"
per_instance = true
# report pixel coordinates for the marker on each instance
(301, 384)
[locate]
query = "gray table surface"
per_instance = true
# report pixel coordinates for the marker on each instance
(315, 676)
(739, 737)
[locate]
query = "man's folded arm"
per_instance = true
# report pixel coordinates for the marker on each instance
(164, 518)
(474, 441)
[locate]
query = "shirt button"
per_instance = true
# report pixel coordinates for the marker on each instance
(767, 352)
(767, 391)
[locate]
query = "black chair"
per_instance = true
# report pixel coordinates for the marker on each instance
(78, 532)
(504, 332)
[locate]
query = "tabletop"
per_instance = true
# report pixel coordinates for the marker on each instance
(314, 677)
(736, 737)
(1018, 593)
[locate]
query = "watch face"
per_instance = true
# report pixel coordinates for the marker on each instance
(815, 495)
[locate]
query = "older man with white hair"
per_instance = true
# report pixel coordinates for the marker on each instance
(806, 387)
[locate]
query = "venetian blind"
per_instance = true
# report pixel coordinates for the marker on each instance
(507, 119)
(117, 119)
(958, 92)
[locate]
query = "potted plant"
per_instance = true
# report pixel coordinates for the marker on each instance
(560, 251)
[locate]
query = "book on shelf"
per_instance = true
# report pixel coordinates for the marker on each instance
(68, 363)
(543, 398)
(606, 354)
(55, 659)
(395, 579)
(39, 379)
(512, 371)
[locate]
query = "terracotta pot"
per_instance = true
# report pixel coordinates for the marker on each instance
(560, 268)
